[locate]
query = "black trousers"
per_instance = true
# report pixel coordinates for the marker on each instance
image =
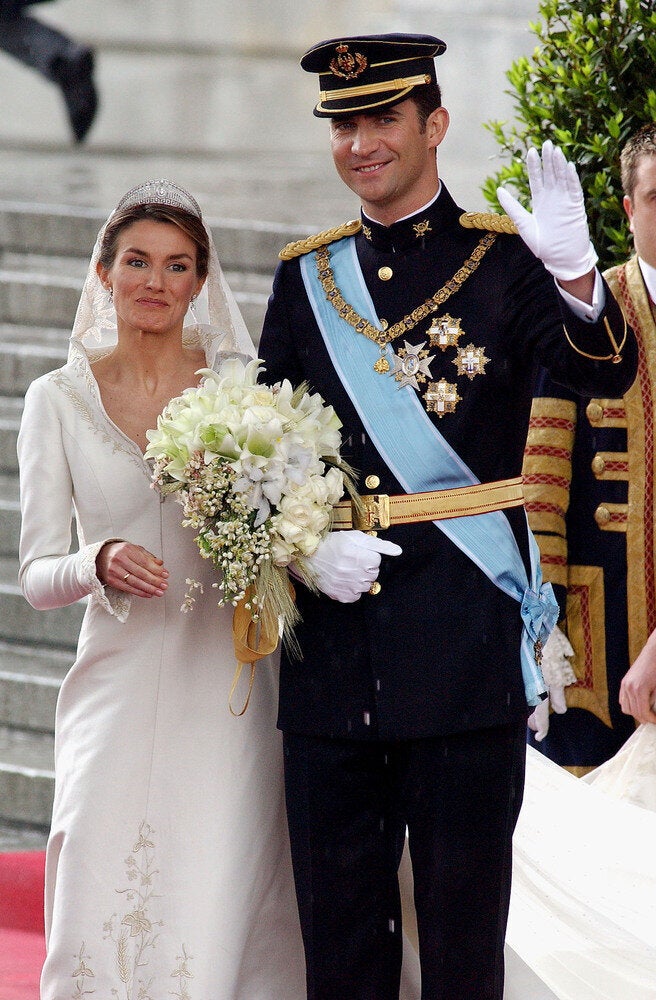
(35, 44)
(349, 803)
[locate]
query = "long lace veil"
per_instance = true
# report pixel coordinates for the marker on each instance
(218, 323)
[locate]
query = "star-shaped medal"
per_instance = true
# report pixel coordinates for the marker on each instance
(444, 332)
(441, 397)
(471, 361)
(411, 365)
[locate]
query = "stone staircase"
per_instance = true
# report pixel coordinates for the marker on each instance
(43, 260)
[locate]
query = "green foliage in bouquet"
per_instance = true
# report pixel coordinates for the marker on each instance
(589, 85)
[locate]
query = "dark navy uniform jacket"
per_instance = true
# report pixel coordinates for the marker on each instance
(437, 650)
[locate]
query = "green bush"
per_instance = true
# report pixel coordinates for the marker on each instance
(589, 85)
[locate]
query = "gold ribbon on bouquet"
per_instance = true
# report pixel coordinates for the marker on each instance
(254, 640)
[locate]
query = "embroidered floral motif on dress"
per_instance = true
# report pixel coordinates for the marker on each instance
(134, 934)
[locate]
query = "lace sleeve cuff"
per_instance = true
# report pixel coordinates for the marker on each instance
(115, 602)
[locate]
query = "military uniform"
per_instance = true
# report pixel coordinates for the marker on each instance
(437, 650)
(408, 708)
(589, 474)
(430, 664)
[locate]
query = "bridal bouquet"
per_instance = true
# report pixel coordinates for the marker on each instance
(257, 471)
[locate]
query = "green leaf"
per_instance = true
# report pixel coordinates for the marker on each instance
(589, 84)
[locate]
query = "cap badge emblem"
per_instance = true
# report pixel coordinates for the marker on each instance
(346, 64)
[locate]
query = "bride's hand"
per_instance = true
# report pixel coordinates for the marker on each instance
(638, 688)
(131, 568)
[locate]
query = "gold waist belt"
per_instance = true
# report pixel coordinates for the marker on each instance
(379, 510)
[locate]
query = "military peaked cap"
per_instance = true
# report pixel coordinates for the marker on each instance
(361, 73)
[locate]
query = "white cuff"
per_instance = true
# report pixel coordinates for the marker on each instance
(590, 312)
(115, 602)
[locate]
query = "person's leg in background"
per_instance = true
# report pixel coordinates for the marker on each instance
(56, 57)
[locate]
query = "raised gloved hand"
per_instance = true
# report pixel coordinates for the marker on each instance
(557, 229)
(557, 672)
(346, 563)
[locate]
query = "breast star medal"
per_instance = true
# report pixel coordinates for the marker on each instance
(441, 397)
(471, 361)
(412, 365)
(444, 332)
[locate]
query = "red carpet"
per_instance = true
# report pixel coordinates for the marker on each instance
(22, 944)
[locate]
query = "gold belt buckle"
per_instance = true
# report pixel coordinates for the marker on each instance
(376, 514)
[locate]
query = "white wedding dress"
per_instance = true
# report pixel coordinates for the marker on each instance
(582, 920)
(583, 907)
(168, 869)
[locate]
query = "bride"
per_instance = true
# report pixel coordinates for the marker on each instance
(583, 913)
(582, 922)
(168, 869)
(583, 909)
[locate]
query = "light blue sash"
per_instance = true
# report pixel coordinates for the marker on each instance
(421, 459)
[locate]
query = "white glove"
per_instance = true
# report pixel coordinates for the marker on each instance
(346, 563)
(538, 721)
(557, 672)
(557, 231)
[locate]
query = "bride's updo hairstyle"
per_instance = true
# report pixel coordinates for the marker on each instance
(157, 201)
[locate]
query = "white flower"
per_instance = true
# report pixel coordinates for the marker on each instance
(254, 468)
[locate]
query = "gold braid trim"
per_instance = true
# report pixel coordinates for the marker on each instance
(615, 356)
(299, 247)
(488, 220)
(383, 337)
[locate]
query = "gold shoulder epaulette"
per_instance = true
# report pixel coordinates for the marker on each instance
(299, 247)
(488, 220)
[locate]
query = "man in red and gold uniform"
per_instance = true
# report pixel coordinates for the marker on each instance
(590, 471)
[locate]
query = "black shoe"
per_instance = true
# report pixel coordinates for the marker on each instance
(75, 77)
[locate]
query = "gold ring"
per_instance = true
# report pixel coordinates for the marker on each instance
(125, 578)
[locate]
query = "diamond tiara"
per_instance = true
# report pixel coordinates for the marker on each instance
(160, 192)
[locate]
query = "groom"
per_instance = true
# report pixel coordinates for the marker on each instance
(422, 327)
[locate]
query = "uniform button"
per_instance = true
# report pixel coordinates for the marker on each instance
(385, 273)
(375, 588)
(602, 515)
(598, 465)
(372, 482)
(594, 412)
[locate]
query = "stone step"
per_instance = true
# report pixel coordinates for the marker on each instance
(26, 776)
(37, 297)
(26, 352)
(9, 523)
(11, 408)
(22, 837)
(19, 622)
(62, 231)
(30, 678)
(9, 515)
